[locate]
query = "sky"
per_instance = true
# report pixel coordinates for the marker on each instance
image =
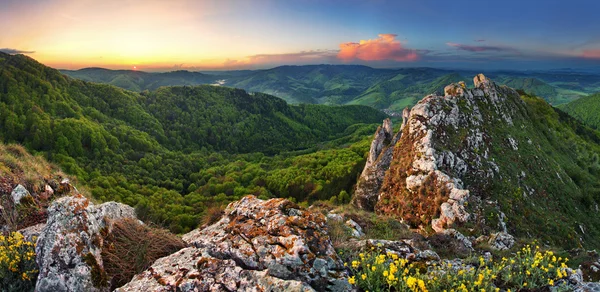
(165, 35)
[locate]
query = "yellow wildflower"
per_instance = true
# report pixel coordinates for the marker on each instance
(351, 280)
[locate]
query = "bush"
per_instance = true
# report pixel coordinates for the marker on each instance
(131, 248)
(18, 270)
(528, 269)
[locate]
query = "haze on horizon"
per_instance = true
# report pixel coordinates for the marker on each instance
(155, 35)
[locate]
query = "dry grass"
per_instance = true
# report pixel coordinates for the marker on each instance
(26, 169)
(17, 166)
(211, 215)
(131, 248)
(416, 208)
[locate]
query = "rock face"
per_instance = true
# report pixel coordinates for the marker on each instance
(67, 251)
(443, 141)
(378, 162)
(257, 246)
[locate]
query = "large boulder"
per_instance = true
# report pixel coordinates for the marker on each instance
(378, 161)
(68, 247)
(257, 245)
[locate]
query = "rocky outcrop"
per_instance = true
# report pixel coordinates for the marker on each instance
(443, 142)
(378, 162)
(68, 247)
(257, 245)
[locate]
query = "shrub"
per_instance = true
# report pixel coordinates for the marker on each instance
(18, 270)
(131, 248)
(528, 269)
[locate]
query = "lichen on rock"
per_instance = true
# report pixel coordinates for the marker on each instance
(68, 247)
(257, 245)
(445, 140)
(378, 162)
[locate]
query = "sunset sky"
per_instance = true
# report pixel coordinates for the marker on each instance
(203, 35)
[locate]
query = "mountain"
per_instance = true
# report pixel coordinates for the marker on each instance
(490, 161)
(175, 151)
(585, 109)
(138, 81)
(391, 89)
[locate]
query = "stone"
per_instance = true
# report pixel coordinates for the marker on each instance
(435, 160)
(31, 233)
(501, 241)
(355, 229)
(68, 247)
(18, 193)
(257, 245)
(460, 238)
(378, 162)
(480, 81)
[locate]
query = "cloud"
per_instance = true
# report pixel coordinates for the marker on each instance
(15, 51)
(480, 40)
(386, 47)
(591, 54)
(299, 57)
(470, 48)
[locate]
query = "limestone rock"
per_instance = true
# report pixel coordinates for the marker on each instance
(256, 246)
(501, 241)
(18, 193)
(68, 247)
(355, 229)
(378, 161)
(431, 157)
(32, 232)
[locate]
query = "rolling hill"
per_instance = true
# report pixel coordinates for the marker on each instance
(391, 89)
(585, 109)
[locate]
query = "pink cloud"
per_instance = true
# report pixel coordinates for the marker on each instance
(591, 54)
(386, 47)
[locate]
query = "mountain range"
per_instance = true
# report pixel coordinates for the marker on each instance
(391, 89)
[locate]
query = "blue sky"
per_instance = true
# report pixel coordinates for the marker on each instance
(162, 35)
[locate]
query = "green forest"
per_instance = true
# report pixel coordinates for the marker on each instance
(175, 151)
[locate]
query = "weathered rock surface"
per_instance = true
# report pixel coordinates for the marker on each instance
(68, 247)
(378, 162)
(18, 193)
(443, 142)
(257, 246)
(501, 241)
(32, 232)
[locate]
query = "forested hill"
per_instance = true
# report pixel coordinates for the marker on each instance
(175, 151)
(39, 103)
(585, 109)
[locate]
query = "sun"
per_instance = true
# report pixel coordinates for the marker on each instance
(134, 67)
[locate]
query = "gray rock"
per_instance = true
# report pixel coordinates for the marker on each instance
(18, 193)
(378, 162)
(460, 238)
(32, 232)
(355, 229)
(71, 241)
(501, 241)
(257, 246)
(426, 135)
